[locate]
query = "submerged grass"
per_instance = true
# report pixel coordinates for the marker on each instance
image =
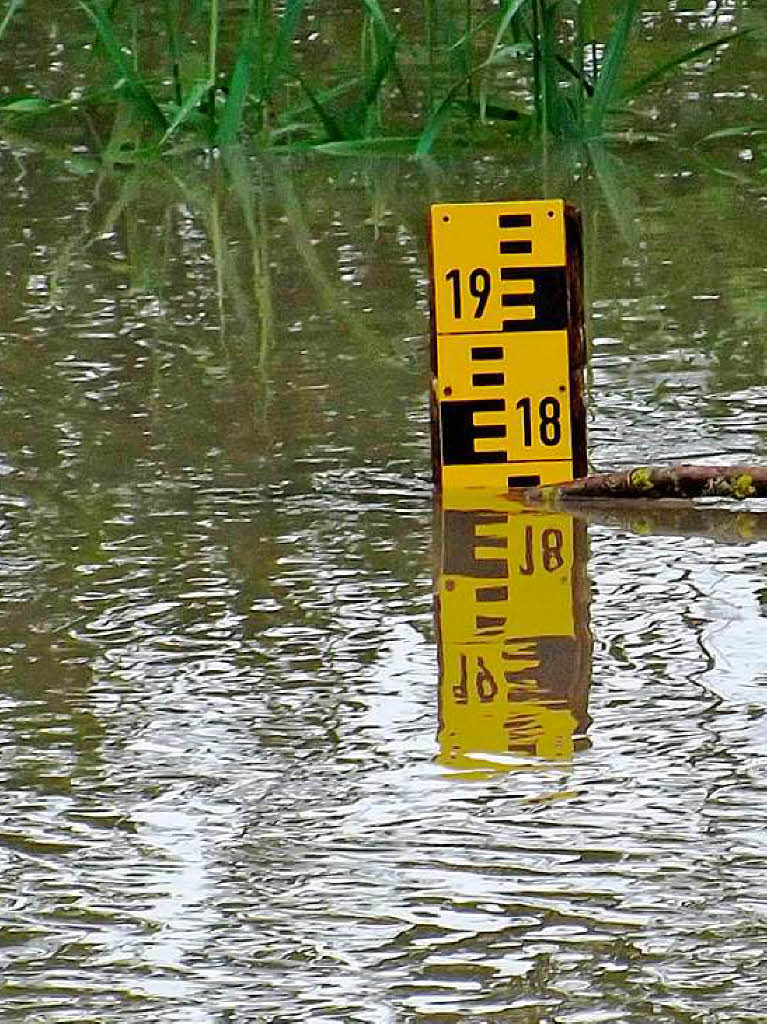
(220, 74)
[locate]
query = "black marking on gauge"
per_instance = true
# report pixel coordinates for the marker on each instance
(492, 593)
(516, 655)
(488, 380)
(483, 352)
(533, 480)
(490, 621)
(516, 247)
(459, 431)
(493, 542)
(518, 676)
(466, 537)
(491, 430)
(548, 298)
(515, 220)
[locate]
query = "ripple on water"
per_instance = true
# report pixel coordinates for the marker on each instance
(222, 795)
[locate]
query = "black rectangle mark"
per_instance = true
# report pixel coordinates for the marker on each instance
(518, 300)
(515, 220)
(457, 430)
(492, 593)
(488, 352)
(523, 247)
(524, 481)
(487, 380)
(492, 542)
(465, 543)
(490, 431)
(489, 622)
(548, 298)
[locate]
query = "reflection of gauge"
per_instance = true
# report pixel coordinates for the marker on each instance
(514, 647)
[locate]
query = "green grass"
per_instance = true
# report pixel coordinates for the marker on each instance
(221, 73)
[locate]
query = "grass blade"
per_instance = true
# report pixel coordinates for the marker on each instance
(618, 196)
(192, 102)
(279, 61)
(231, 118)
(736, 132)
(239, 83)
(576, 73)
(332, 127)
(378, 17)
(13, 7)
(436, 120)
(552, 109)
(174, 48)
(27, 105)
(379, 20)
(639, 86)
(512, 10)
(439, 114)
(389, 145)
(358, 114)
(132, 85)
(606, 85)
(299, 109)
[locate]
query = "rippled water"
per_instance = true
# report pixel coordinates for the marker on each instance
(234, 786)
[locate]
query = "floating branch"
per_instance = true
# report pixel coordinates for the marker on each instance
(659, 482)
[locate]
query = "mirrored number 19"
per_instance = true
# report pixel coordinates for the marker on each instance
(479, 283)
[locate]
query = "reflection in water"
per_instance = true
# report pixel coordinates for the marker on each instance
(217, 709)
(514, 645)
(678, 518)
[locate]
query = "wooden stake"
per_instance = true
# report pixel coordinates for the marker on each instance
(576, 338)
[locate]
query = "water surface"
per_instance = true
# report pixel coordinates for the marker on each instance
(227, 794)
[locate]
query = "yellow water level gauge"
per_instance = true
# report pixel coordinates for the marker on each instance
(507, 344)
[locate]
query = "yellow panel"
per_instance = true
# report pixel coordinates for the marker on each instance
(514, 588)
(501, 367)
(481, 714)
(528, 362)
(526, 385)
(474, 243)
(495, 479)
(470, 500)
(533, 596)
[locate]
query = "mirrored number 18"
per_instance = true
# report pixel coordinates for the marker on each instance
(479, 286)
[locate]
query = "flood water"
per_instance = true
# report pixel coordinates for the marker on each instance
(246, 775)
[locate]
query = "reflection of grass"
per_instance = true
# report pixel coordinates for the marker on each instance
(325, 286)
(229, 201)
(250, 293)
(216, 74)
(13, 8)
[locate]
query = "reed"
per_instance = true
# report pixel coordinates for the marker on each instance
(254, 83)
(574, 93)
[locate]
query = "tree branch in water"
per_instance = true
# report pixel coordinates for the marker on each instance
(659, 482)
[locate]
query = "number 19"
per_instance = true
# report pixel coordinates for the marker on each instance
(480, 285)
